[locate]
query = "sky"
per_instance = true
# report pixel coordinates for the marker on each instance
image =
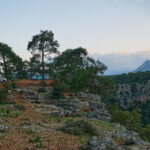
(117, 32)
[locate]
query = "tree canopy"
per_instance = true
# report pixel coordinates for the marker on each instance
(44, 45)
(79, 72)
(10, 62)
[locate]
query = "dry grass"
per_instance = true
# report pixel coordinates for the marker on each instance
(27, 83)
(17, 138)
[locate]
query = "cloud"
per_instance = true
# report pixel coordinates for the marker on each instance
(122, 62)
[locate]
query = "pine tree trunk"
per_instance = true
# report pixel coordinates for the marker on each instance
(43, 69)
(5, 67)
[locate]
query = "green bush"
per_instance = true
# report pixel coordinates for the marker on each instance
(57, 92)
(131, 120)
(80, 127)
(40, 145)
(3, 96)
(145, 133)
(8, 86)
(121, 141)
(13, 85)
(7, 112)
(41, 90)
(35, 139)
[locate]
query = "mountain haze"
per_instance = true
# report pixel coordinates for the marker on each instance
(144, 67)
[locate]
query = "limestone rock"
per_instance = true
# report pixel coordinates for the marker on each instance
(3, 128)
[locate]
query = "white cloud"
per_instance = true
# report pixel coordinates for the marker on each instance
(122, 62)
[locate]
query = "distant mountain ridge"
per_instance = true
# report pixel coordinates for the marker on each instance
(144, 67)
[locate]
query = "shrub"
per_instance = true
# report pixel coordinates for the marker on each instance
(58, 92)
(59, 87)
(40, 145)
(131, 120)
(80, 127)
(68, 120)
(145, 133)
(7, 112)
(41, 90)
(8, 86)
(121, 141)
(113, 107)
(3, 96)
(35, 139)
(13, 85)
(15, 114)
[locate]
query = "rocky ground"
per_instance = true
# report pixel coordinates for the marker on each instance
(32, 121)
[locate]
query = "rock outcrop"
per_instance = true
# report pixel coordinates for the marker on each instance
(120, 139)
(132, 94)
(81, 104)
(31, 96)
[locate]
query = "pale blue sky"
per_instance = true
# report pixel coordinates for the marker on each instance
(103, 27)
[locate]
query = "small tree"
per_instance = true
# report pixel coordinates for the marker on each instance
(16, 67)
(34, 65)
(78, 72)
(11, 63)
(131, 120)
(145, 133)
(44, 45)
(25, 69)
(5, 50)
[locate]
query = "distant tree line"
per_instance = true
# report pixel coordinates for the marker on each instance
(132, 120)
(136, 118)
(139, 77)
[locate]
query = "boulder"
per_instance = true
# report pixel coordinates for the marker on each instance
(31, 96)
(119, 139)
(3, 128)
(73, 105)
(78, 103)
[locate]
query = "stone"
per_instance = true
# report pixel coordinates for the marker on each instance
(78, 103)
(3, 128)
(131, 139)
(31, 96)
(93, 142)
(47, 109)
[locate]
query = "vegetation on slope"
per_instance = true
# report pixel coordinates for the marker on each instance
(75, 71)
(72, 71)
(139, 77)
(136, 80)
(131, 120)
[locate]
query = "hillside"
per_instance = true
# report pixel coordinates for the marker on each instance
(144, 67)
(139, 77)
(32, 121)
(132, 89)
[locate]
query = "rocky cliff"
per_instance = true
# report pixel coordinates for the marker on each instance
(132, 94)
